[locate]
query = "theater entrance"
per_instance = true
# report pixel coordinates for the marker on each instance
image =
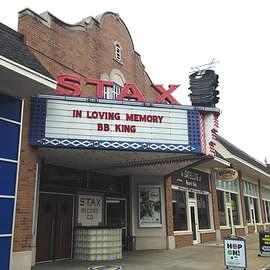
(54, 233)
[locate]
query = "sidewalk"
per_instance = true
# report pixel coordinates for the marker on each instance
(208, 256)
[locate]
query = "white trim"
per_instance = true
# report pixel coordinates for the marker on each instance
(249, 165)
(239, 226)
(35, 213)
(27, 72)
(7, 196)
(225, 227)
(10, 121)
(5, 235)
(206, 231)
(193, 204)
(227, 190)
(9, 160)
(222, 161)
(17, 181)
(182, 232)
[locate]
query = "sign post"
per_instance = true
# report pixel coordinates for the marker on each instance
(235, 255)
(264, 242)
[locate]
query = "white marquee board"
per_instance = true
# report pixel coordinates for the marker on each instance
(111, 122)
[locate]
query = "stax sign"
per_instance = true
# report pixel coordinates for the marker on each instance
(72, 87)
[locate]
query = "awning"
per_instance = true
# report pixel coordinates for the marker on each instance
(20, 81)
(118, 162)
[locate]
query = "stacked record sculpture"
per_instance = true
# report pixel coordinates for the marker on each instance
(203, 84)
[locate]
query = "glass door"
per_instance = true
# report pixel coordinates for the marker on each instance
(194, 225)
(230, 218)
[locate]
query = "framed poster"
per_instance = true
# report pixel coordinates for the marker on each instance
(149, 206)
(90, 210)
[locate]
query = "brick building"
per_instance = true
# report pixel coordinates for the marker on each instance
(111, 162)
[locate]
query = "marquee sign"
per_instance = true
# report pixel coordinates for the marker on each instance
(76, 122)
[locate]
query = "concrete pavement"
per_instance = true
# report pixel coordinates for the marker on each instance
(208, 256)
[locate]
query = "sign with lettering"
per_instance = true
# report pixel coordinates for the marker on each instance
(70, 85)
(191, 179)
(227, 174)
(235, 252)
(89, 210)
(264, 240)
(80, 123)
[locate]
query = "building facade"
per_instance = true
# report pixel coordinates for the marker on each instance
(110, 161)
(100, 147)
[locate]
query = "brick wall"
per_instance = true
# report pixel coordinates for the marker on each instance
(206, 237)
(183, 240)
(169, 210)
(251, 228)
(240, 231)
(26, 188)
(214, 199)
(87, 52)
(225, 232)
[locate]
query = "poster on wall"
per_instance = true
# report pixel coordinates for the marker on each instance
(90, 210)
(149, 206)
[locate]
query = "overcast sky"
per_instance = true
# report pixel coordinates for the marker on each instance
(173, 36)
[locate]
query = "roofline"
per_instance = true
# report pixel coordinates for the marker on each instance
(249, 165)
(237, 148)
(87, 22)
(222, 161)
(27, 72)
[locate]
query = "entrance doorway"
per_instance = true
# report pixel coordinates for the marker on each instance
(116, 215)
(194, 222)
(54, 230)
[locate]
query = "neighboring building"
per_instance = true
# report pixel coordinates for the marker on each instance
(204, 207)
(250, 212)
(21, 75)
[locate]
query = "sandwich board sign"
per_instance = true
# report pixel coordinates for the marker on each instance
(264, 241)
(235, 255)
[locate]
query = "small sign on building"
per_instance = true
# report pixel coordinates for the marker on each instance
(89, 210)
(235, 255)
(264, 241)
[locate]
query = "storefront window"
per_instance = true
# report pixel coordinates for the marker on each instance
(179, 210)
(221, 208)
(203, 211)
(235, 209)
(247, 209)
(267, 211)
(252, 210)
(256, 209)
